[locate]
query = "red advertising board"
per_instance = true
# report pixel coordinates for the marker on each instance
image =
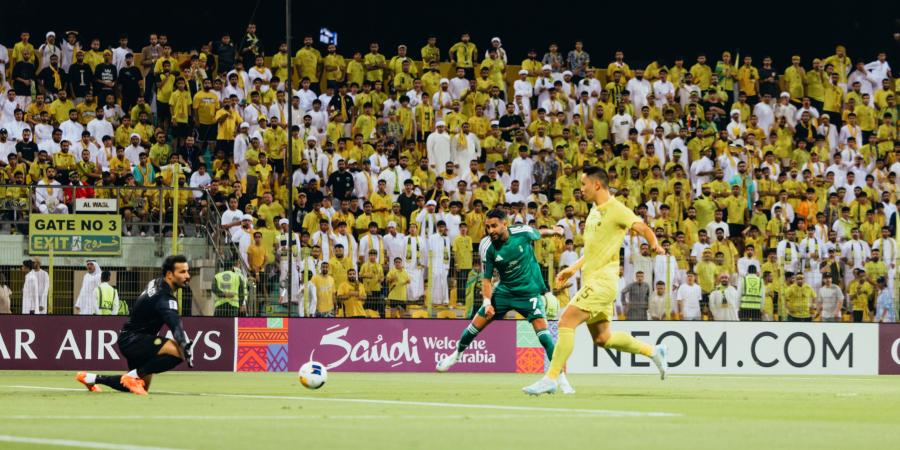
(89, 343)
(889, 349)
(366, 345)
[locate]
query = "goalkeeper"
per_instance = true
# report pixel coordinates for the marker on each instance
(521, 288)
(147, 353)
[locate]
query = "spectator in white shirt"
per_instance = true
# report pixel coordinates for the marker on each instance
(688, 299)
(49, 195)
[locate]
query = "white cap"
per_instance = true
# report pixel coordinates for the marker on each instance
(738, 142)
(546, 67)
(392, 224)
(523, 72)
(283, 222)
(244, 125)
(785, 94)
(431, 203)
(735, 111)
(246, 217)
(568, 72)
(135, 135)
(312, 138)
(352, 161)
(440, 123)
(495, 39)
(50, 33)
(444, 80)
(495, 123)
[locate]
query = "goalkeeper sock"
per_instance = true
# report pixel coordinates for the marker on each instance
(620, 340)
(111, 381)
(468, 335)
(159, 364)
(565, 344)
(546, 342)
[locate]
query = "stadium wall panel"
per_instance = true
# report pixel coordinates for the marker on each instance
(740, 348)
(89, 343)
(415, 345)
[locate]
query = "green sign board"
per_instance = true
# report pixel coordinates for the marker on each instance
(75, 234)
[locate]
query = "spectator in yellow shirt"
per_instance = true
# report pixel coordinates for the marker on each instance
(372, 274)
(180, 105)
(324, 284)
(462, 260)
(351, 294)
(397, 279)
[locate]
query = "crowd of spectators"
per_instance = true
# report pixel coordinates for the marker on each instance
(789, 170)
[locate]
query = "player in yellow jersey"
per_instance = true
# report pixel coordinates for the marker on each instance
(594, 304)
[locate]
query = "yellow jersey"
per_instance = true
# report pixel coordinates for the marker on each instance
(180, 103)
(207, 104)
(308, 60)
(603, 236)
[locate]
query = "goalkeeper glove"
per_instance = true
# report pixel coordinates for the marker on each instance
(188, 351)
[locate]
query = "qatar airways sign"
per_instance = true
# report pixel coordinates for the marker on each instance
(89, 342)
(368, 345)
(752, 348)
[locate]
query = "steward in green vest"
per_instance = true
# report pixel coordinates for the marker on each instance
(752, 295)
(229, 292)
(107, 298)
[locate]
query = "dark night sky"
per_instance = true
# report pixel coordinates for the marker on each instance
(778, 28)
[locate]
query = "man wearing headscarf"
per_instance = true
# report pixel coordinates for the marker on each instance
(85, 303)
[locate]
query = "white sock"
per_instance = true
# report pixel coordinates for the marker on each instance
(90, 378)
(132, 374)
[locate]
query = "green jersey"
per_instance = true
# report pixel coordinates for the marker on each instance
(520, 274)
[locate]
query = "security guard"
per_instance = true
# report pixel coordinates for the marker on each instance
(107, 298)
(752, 292)
(230, 291)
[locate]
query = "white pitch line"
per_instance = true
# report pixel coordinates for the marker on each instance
(268, 418)
(74, 443)
(42, 388)
(598, 412)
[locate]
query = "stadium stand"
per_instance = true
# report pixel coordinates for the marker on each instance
(774, 189)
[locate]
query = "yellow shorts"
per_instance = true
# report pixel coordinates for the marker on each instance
(598, 300)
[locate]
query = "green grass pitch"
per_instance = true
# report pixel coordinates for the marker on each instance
(201, 410)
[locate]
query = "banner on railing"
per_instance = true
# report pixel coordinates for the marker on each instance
(758, 348)
(89, 343)
(75, 234)
(96, 205)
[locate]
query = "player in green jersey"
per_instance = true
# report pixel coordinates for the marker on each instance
(509, 251)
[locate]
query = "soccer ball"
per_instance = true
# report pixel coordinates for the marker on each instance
(313, 375)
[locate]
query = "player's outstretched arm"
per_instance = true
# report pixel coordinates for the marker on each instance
(555, 231)
(169, 312)
(567, 273)
(647, 232)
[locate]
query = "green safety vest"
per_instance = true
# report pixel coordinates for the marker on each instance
(229, 281)
(751, 298)
(107, 299)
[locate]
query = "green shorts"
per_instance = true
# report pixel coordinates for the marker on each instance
(532, 308)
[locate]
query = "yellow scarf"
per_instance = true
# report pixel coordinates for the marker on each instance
(380, 248)
(412, 248)
(446, 249)
(57, 82)
(462, 141)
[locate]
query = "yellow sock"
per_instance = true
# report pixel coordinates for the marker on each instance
(565, 343)
(625, 342)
